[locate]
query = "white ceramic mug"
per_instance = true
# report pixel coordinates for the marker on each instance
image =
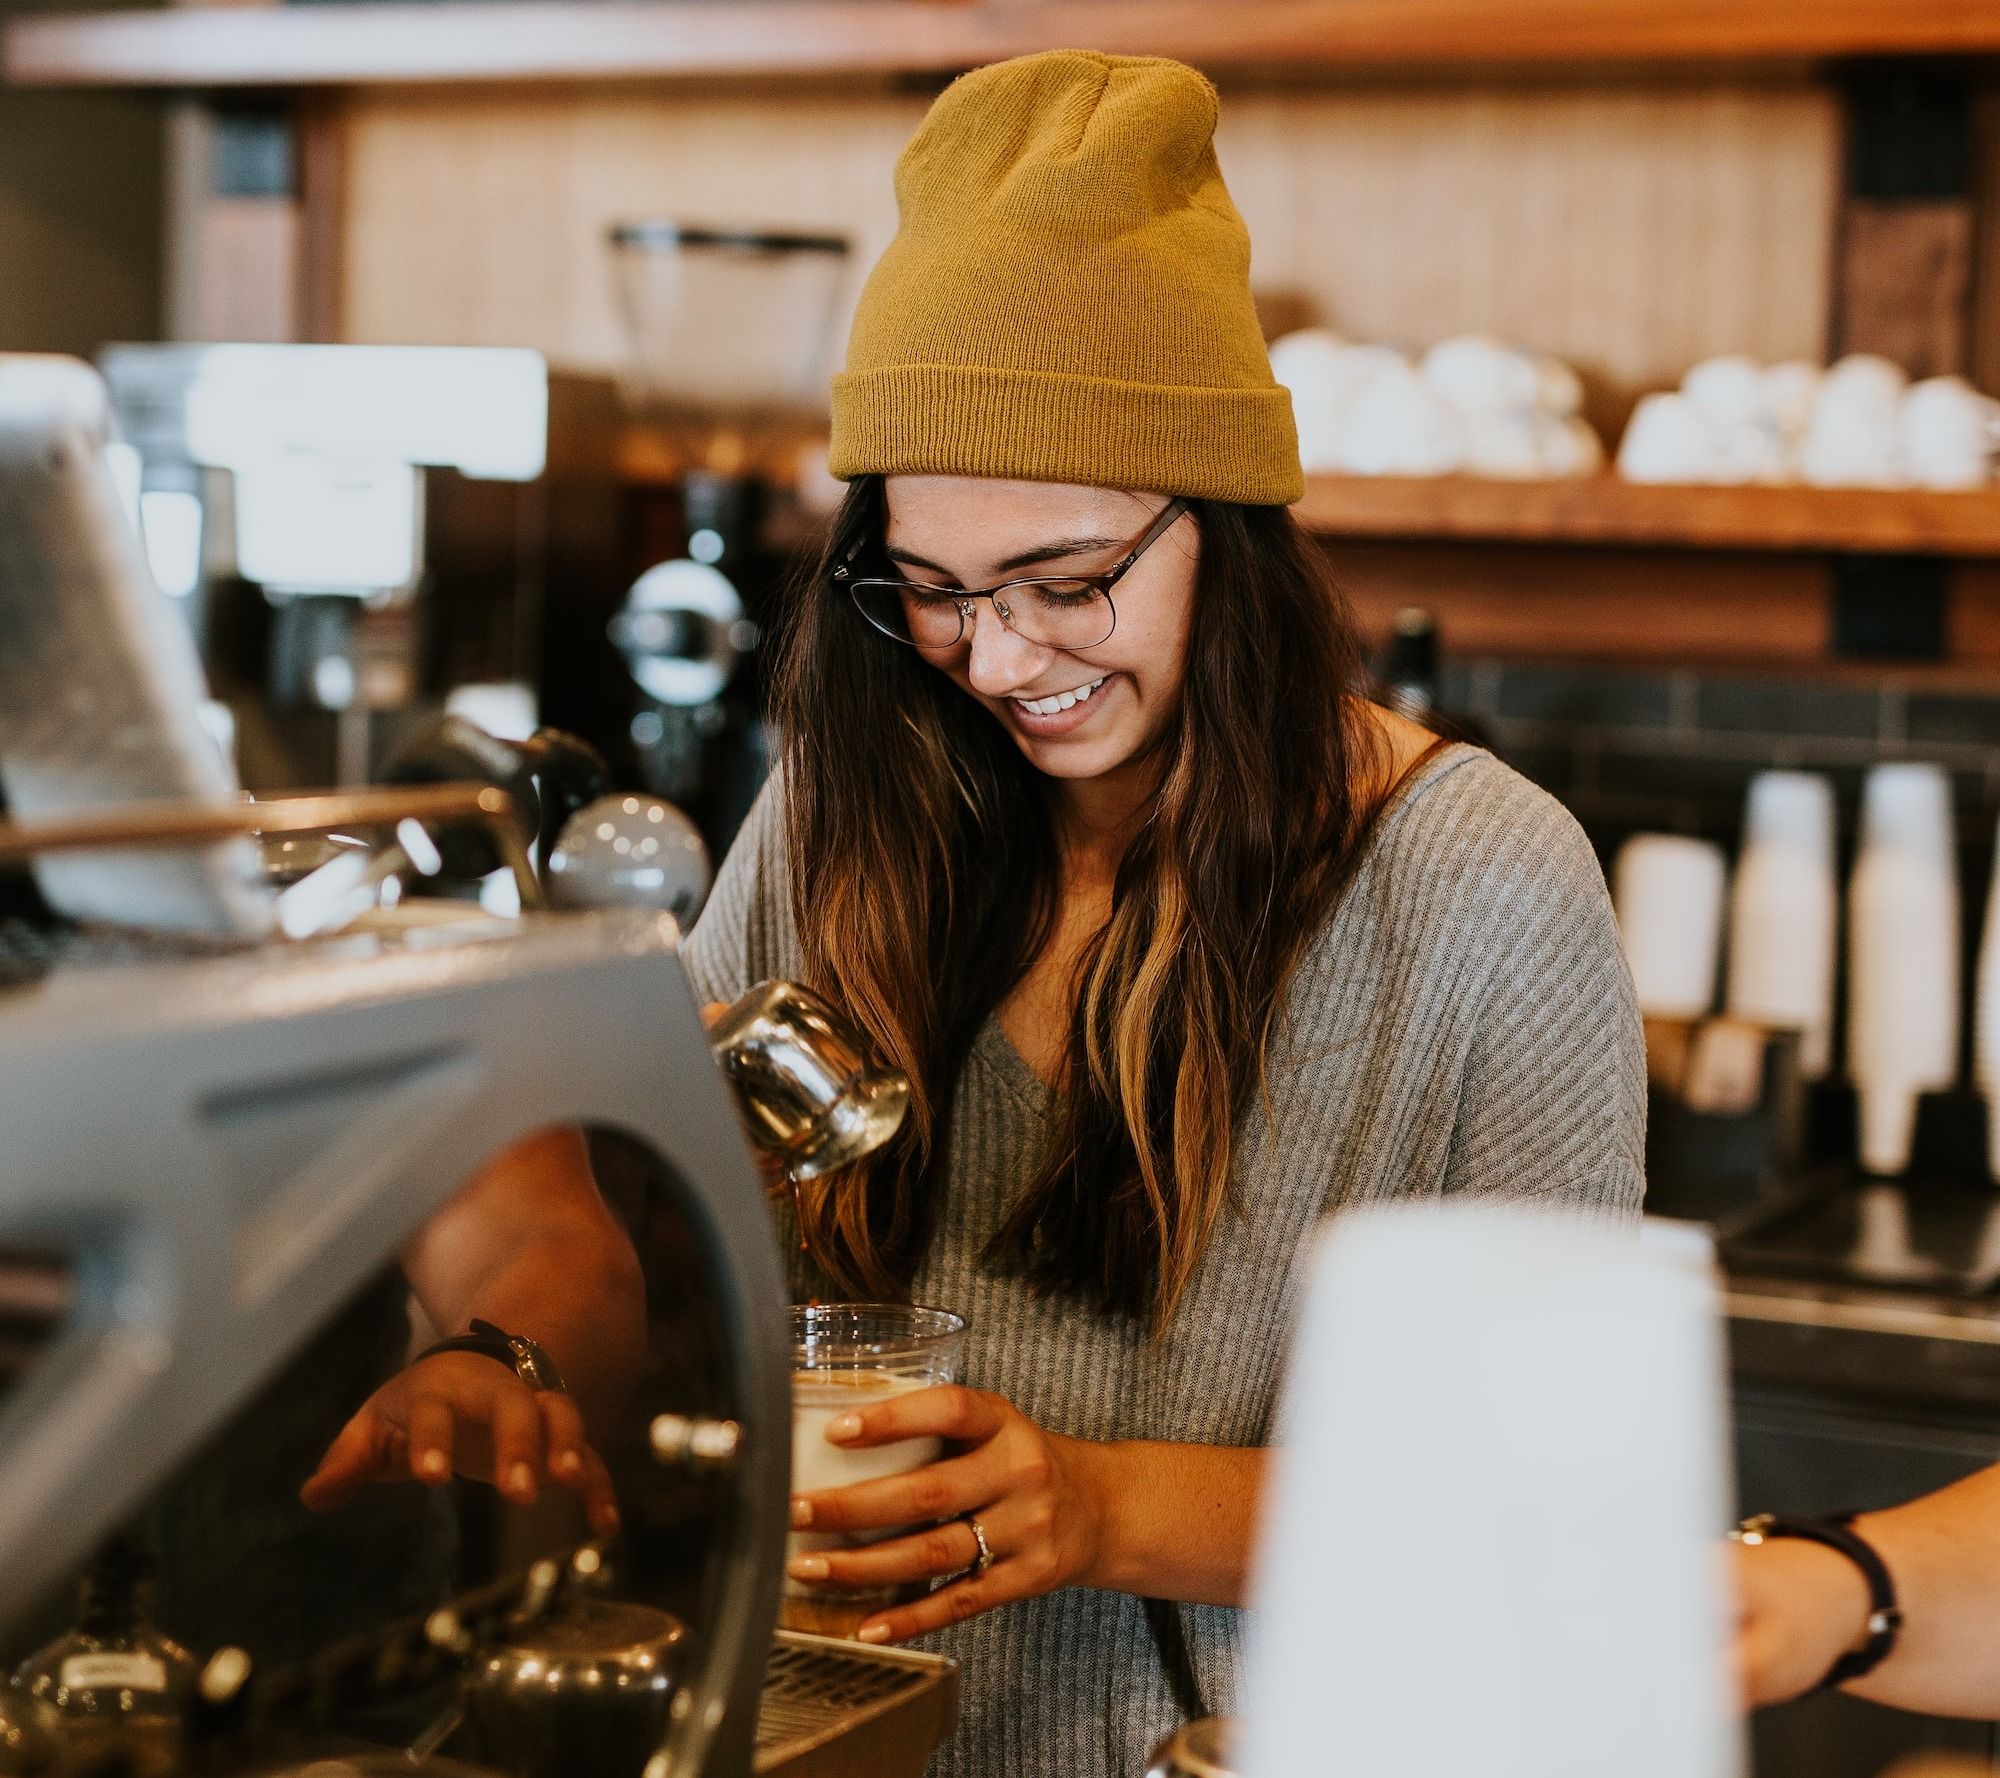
(1854, 438)
(1666, 440)
(1948, 434)
(1728, 392)
(1397, 424)
(1478, 375)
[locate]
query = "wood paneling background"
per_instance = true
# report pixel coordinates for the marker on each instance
(1632, 227)
(1634, 230)
(480, 219)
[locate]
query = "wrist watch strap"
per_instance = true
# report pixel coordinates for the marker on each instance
(1885, 1616)
(517, 1352)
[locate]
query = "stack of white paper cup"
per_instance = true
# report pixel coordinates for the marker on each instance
(1668, 894)
(1903, 958)
(1784, 913)
(1986, 1020)
(1491, 1543)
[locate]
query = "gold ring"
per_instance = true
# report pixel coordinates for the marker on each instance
(984, 1560)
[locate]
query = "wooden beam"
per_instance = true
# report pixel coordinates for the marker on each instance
(457, 41)
(322, 148)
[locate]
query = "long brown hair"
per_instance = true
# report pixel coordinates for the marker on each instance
(924, 868)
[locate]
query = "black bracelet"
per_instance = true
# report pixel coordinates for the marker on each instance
(1885, 1616)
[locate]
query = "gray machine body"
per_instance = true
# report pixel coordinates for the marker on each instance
(233, 1144)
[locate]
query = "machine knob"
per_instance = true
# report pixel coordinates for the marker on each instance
(630, 851)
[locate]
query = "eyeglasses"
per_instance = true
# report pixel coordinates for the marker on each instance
(1074, 611)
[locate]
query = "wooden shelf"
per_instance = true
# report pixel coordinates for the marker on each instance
(1602, 510)
(414, 41)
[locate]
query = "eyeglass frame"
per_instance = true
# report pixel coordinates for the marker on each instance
(1163, 521)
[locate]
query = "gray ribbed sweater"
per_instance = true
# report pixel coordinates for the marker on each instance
(1464, 1024)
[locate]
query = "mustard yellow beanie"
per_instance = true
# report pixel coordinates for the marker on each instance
(1068, 296)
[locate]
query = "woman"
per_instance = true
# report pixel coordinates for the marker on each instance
(1181, 944)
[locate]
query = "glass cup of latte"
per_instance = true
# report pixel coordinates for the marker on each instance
(845, 1357)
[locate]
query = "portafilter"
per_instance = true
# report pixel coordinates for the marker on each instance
(810, 1092)
(589, 1689)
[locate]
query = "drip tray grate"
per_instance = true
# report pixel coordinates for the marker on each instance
(832, 1709)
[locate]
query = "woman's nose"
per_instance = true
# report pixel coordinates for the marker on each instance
(1002, 660)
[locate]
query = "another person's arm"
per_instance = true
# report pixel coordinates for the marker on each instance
(1804, 1605)
(530, 1246)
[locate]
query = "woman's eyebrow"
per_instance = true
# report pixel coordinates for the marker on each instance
(1048, 552)
(896, 553)
(1056, 552)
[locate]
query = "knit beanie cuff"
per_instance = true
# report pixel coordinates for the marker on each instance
(1238, 445)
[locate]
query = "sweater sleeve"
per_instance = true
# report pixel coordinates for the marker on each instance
(744, 934)
(1552, 1106)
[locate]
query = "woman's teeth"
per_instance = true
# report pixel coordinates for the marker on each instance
(1063, 700)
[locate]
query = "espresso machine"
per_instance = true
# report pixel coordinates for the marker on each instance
(729, 331)
(232, 1101)
(215, 1149)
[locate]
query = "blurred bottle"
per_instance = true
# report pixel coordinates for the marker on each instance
(117, 1684)
(1407, 680)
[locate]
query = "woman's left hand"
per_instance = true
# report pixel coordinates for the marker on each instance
(1039, 1498)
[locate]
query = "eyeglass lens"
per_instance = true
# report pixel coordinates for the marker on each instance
(1052, 613)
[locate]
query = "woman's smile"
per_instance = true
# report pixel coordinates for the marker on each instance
(1061, 712)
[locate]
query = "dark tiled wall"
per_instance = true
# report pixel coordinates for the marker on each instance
(1673, 751)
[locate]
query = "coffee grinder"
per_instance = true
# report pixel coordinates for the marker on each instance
(729, 331)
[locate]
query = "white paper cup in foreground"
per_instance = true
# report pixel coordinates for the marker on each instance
(1492, 1539)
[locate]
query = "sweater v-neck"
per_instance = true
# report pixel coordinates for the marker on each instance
(996, 1050)
(992, 1047)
